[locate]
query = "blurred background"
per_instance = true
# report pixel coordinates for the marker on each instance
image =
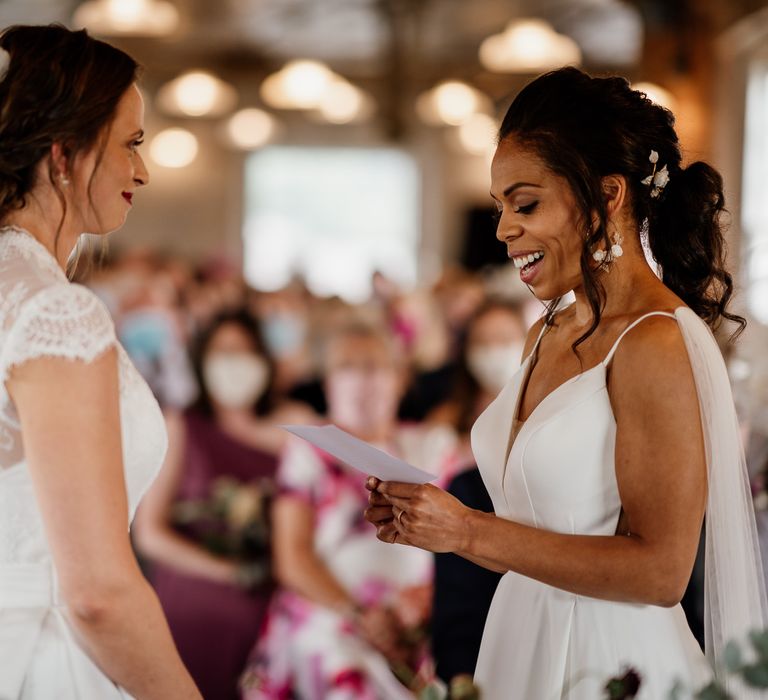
(311, 154)
(321, 163)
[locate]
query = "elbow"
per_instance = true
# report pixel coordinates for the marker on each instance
(284, 570)
(97, 603)
(669, 591)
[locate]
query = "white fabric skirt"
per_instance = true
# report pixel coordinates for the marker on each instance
(40, 659)
(543, 643)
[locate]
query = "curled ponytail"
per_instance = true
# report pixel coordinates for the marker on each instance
(686, 238)
(587, 128)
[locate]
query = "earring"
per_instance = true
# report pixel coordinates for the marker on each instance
(64, 180)
(616, 251)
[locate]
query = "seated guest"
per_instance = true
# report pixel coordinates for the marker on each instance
(203, 524)
(349, 620)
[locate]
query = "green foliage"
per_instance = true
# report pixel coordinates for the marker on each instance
(713, 691)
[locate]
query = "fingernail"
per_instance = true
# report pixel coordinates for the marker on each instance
(371, 482)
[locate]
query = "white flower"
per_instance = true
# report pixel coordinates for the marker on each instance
(661, 178)
(5, 61)
(646, 180)
(654, 157)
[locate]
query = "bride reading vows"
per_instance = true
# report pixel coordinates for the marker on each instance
(618, 435)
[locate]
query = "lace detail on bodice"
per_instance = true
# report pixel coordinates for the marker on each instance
(42, 314)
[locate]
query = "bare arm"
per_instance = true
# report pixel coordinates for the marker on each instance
(661, 473)
(297, 565)
(69, 413)
(154, 536)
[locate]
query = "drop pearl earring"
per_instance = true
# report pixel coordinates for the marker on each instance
(616, 251)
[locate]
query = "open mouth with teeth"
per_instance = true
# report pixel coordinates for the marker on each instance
(528, 265)
(523, 261)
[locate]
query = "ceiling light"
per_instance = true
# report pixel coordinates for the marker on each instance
(136, 17)
(656, 93)
(173, 148)
(300, 84)
(250, 128)
(451, 102)
(528, 46)
(344, 103)
(197, 94)
(478, 134)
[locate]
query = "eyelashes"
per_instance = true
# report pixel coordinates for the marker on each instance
(524, 209)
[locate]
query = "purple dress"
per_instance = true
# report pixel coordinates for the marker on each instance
(220, 503)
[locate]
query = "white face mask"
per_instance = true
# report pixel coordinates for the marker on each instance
(235, 380)
(494, 365)
(362, 401)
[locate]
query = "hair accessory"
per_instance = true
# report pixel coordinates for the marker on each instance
(616, 251)
(5, 62)
(658, 179)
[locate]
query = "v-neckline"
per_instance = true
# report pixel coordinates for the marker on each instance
(527, 370)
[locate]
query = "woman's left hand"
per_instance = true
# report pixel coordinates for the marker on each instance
(421, 515)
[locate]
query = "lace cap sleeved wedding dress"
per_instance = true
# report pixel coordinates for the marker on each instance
(544, 643)
(42, 314)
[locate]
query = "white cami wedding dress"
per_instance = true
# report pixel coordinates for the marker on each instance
(43, 314)
(544, 643)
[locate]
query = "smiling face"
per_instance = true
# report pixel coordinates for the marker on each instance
(115, 177)
(539, 220)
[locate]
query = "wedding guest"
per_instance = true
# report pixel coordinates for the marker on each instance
(81, 436)
(203, 525)
(488, 357)
(350, 608)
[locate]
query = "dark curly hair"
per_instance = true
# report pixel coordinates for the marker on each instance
(585, 128)
(63, 87)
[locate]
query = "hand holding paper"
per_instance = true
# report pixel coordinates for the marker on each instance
(359, 454)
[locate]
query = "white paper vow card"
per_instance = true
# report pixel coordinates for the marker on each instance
(359, 454)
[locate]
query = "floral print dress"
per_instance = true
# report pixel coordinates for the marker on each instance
(310, 652)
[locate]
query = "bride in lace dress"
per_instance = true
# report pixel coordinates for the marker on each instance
(618, 432)
(81, 436)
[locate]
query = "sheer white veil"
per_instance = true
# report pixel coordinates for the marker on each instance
(735, 599)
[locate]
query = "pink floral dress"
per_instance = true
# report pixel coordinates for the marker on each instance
(311, 652)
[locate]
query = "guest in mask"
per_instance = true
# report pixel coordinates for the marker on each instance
(490, 354)
(203, 526)
(349, 610)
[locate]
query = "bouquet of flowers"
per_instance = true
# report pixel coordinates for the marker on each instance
(232, 522)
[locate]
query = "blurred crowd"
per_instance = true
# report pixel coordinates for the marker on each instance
(273, 584)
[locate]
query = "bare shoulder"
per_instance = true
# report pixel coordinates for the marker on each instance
(651, 362)
(655, 340)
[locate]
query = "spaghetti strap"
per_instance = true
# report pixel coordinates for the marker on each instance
(538, 340)
(609, 357)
